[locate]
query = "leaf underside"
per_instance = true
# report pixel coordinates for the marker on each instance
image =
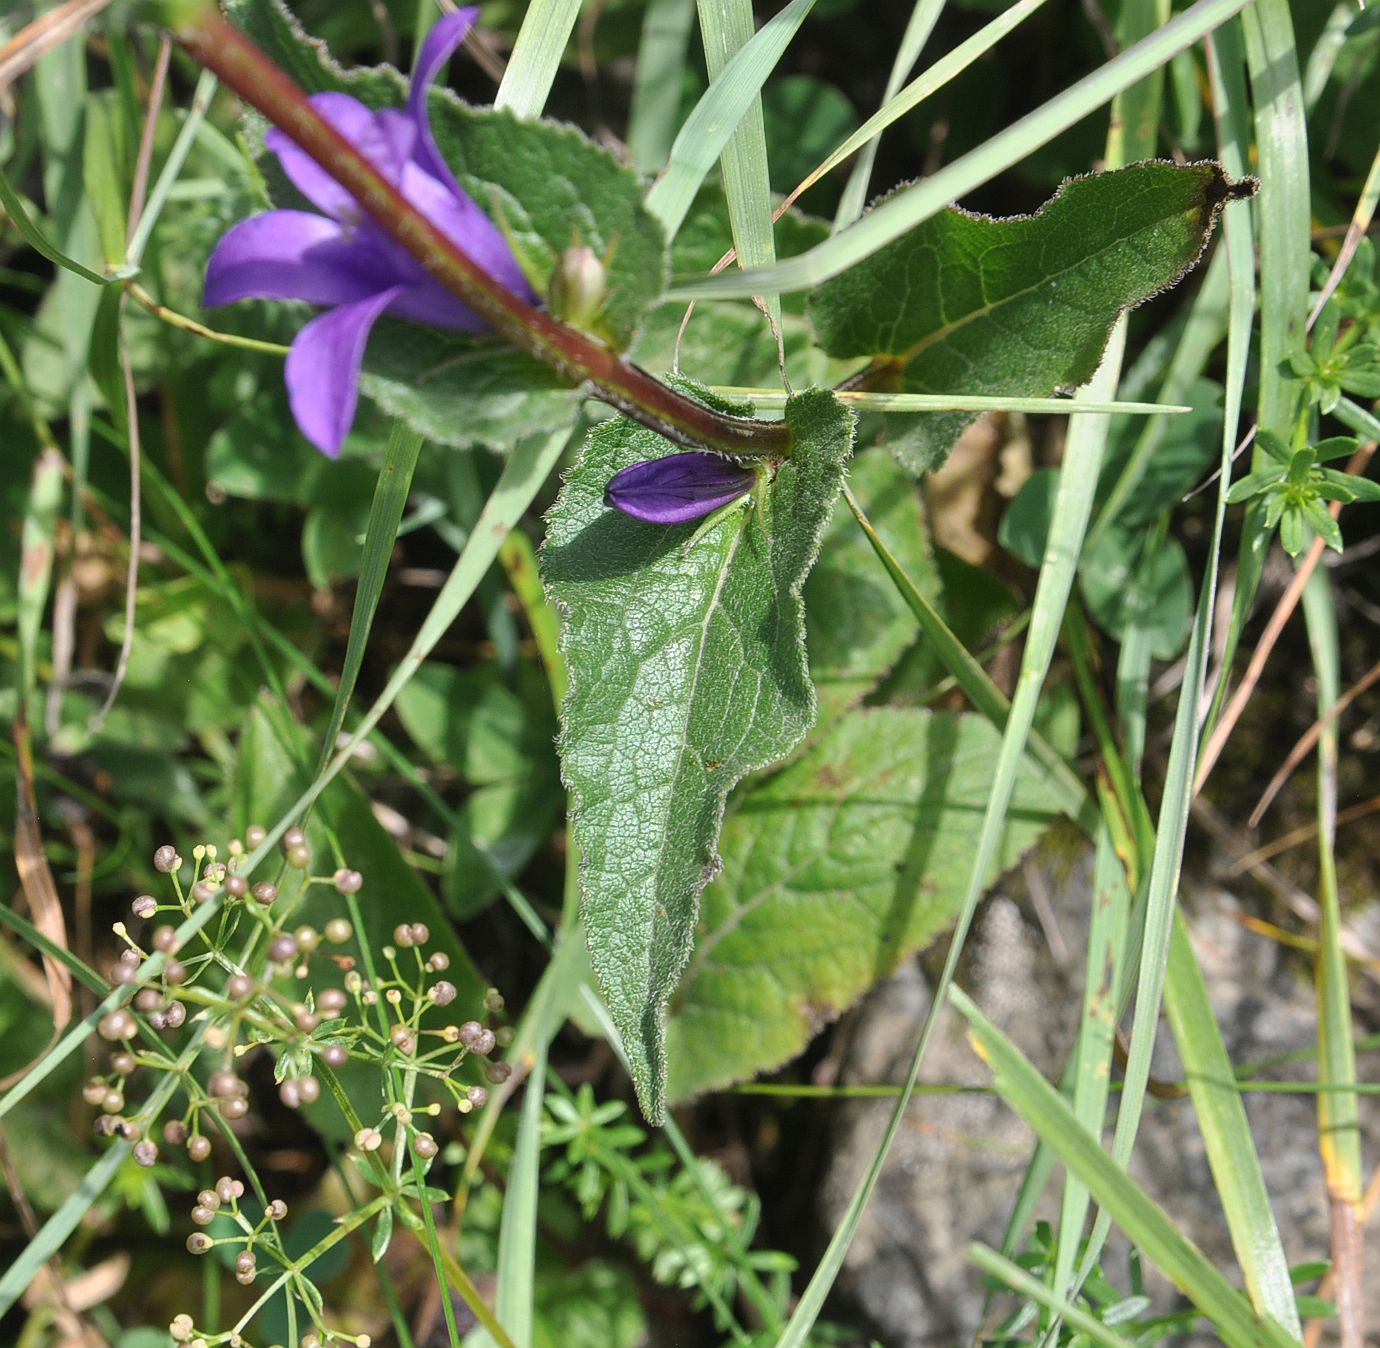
(1021, 306)
(687, 670)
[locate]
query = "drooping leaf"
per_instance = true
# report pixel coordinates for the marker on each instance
(836, 868)
(1018, 306)
(687, 669)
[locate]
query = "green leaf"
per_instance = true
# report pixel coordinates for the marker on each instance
(1253, 484)
(459, 390)
(1122, 590)
(687, 670)
(1017, 306)
(836, 869)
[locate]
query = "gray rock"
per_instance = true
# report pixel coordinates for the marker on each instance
(956, 1166)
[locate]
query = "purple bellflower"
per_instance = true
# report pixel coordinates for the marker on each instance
(679, 487)
(339, 259)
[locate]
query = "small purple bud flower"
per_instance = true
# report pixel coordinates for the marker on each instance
(679, 487)
(340, 260)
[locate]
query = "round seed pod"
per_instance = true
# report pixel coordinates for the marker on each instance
(330, 1002)
(199, 1242)
(254, 835)
(470, 1033)
(208, 1198)
(239, 987)
(234, 1108)
(145, 1152)
(144, 906)
(276, 1210)
(224, 1082)
(236, 886)
(122, 1064)
(175, 1016)
(166, 860)
(425, 1146)
(484, 1044)
(439, 962)
(282, 949)
(116, 1025)
(348, 881)
(264, 892)
(93, 1092)
(335, 1055)
(175, 1132)
(443, 993)
(198, 1147)
(299, 858)
(477, 1096)
(165, 939)
(339, 930)
(309, 1088)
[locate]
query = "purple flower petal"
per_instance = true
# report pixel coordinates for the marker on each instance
(323, 369)
(466, 226)
(446, 34)
(386, 139)
(679, 487)
(427, 303)
(287, 255)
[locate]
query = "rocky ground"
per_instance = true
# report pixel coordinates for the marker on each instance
(954, 1171)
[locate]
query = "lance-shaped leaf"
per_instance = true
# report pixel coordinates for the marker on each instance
(836, 868)
(687, 670)
(1019, 306)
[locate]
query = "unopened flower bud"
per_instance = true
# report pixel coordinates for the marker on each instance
(578, 288)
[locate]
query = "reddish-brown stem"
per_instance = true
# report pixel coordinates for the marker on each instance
(230, 55)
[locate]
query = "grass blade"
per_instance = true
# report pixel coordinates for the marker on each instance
(1147, 1225)
(901, 213)
(661, 58)
(1072, 507)
(385, 514)
(726, 26)
(1339, 1138)
(541, 42)
(1016, 1278)
(733, 93)
(923, 17)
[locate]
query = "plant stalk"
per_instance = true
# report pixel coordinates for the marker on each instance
(229, 54)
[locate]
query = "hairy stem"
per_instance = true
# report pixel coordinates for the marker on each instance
(227, 52)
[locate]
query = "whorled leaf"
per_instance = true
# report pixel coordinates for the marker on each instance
(836, 868)
(688, 670)
(1019, 306)
(548, 186)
